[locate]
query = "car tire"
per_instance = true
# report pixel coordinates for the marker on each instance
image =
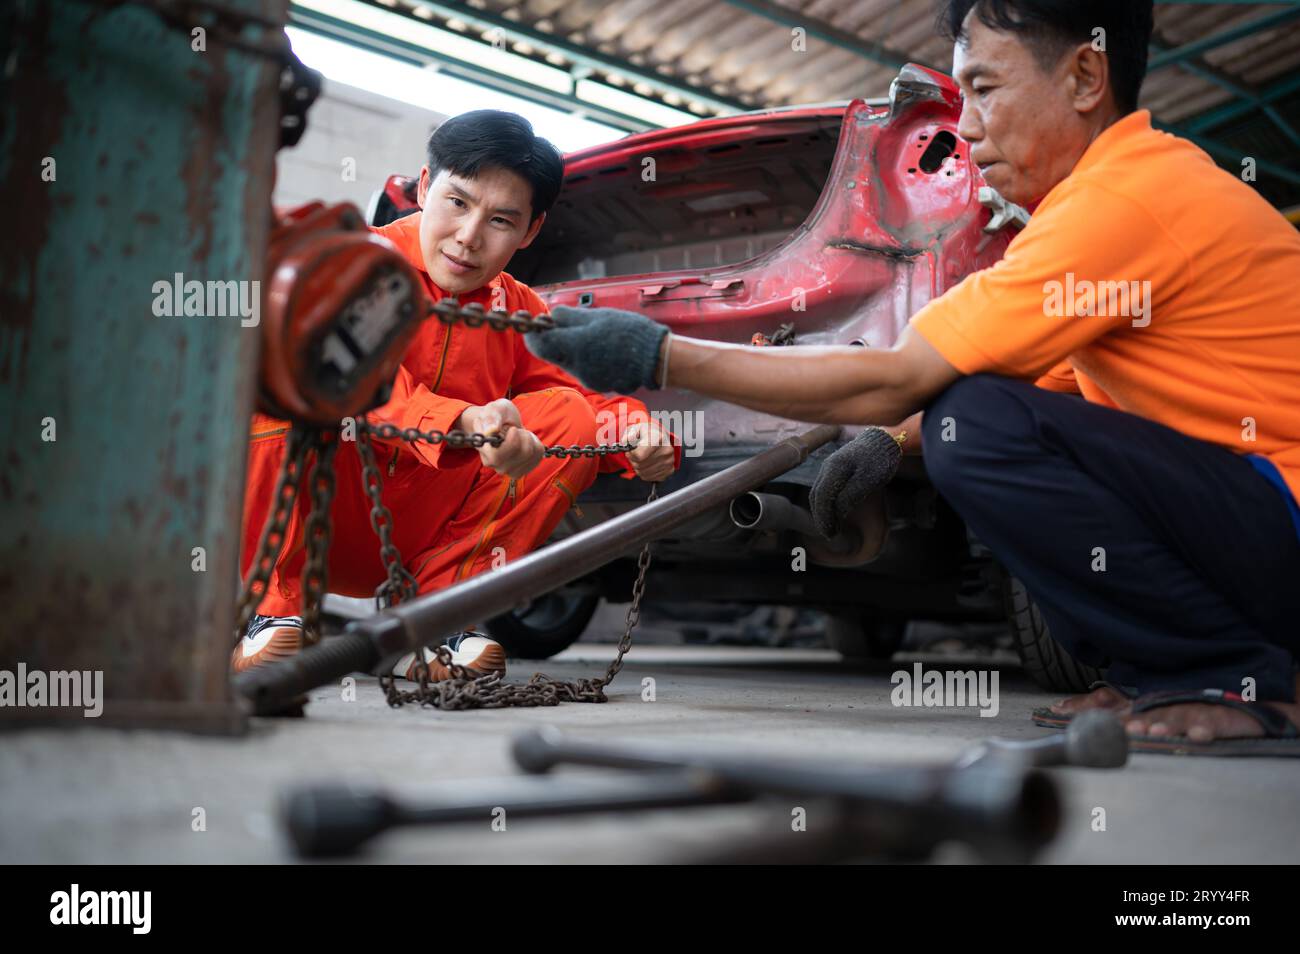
(1045, 660)
(542, 627)
(860, 636)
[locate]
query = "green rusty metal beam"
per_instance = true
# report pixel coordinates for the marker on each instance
(1230, 111)
(1206, 71)
(127, 157)
(1197, 47)
(1251, 98)
(1189, 59)
(1248, 96)
(877, 52)
(1231, 155)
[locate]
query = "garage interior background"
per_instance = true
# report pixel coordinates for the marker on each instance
(1225, 74)
(584, 71)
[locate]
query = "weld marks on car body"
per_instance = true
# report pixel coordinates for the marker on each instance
(896, 252)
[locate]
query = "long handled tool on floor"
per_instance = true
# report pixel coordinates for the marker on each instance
(410, 626)
(988, 797)
(1094, 739)
(332, 820)
(1003, 810)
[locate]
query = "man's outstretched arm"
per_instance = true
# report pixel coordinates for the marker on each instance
(608, 349)
(823, 384)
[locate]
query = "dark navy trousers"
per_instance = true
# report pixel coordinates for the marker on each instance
(1171, 562)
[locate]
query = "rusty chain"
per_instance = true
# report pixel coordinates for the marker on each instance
(318, 531)
(268, 548)
(463, 690)
(474, 315)
(466, 691)
(400, 585)
(462, 439)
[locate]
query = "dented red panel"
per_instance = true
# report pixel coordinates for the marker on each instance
(880, 213)
(898, 222)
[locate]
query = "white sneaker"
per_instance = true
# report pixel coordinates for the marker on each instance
(268, 639)
(474, 651)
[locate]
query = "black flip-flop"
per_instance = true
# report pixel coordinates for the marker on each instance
(1058, 720)
(1281, 737)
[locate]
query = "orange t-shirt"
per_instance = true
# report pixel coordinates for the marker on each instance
(1168, 286)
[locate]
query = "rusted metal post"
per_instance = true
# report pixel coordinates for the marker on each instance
(136, 157)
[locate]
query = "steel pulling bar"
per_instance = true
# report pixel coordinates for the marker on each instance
(423, 621)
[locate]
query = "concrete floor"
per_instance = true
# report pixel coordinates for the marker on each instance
(115, 796)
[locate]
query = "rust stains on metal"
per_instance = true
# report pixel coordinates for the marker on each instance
(203, 164)
(32, 116)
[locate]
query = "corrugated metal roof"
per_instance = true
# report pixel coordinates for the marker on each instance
(741, 52)
(733, 50)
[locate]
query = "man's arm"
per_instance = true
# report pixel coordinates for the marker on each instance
(909, 431)
(823, 384)
(612, 350)
(414, 405)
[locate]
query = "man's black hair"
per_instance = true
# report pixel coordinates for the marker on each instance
(493, 139)
(1050, 27)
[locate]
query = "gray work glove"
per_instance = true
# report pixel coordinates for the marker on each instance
(851, 475)
(604, 348)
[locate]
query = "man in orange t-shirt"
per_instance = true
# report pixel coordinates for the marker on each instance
(484, 194)
(1150, 509)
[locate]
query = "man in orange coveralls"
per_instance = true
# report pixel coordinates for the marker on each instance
(484, 194)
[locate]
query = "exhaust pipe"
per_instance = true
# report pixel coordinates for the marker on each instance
(757, 511)
(851, 547)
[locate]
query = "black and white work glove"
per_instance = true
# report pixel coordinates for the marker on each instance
(851, 475)
(604, 348)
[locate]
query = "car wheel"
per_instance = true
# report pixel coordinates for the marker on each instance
(860, 636)
(542, 627)
(1045, 660)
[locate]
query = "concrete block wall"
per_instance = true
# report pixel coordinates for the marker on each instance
(384, 136)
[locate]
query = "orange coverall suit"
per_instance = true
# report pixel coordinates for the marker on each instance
(452, 517)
